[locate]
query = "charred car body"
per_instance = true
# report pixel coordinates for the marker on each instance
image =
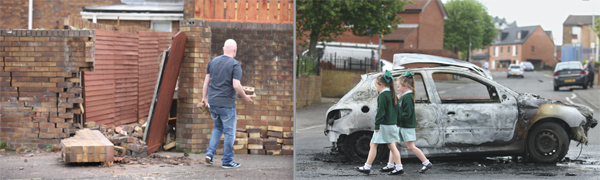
(492, 120)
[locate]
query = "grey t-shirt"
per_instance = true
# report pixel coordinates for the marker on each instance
(222, 69)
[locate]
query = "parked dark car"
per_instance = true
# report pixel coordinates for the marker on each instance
(569, 74)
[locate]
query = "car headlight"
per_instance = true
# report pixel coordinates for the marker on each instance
(345, 112)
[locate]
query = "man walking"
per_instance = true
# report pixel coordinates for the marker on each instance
(223, 75)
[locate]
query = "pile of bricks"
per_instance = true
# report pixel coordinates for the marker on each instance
(87, 146)
(252, 141)
(128, 139)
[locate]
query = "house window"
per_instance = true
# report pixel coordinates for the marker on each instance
(532, 50)
(164, 26)
(516, 51)
(496, 51)
(519, 35)
(508, 49)
(501, 50)
(499, 35)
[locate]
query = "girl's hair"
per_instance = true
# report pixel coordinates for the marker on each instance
(409, 82)
(390, 85)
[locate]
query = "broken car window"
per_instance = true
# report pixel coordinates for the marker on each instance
(452, 87)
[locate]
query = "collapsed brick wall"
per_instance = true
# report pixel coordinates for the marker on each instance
(265, 52)
(308, 90)
(40, 86)
(46, 14)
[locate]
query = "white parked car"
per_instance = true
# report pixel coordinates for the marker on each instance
(515, 70)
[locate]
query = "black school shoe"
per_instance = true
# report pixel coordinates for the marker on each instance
(425, 168)
(394, 172)
(387, 169)
(362, 170)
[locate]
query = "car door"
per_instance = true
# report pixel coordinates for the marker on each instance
(429, 126)
(472, 111)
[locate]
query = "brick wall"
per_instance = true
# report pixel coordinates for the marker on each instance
(308, 90)
(46, 14)
(338, 83)
(40, 85)
(431, 27)
(193, 127)
(265, 53)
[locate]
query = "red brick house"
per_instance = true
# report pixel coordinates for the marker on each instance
(515, 45)
(422, 29)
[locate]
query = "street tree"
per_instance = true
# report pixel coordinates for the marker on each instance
(324, 20)
(467, 18)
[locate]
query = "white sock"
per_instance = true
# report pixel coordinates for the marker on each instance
(398, 167)
(367, 166)
(390, 165)
(426, 163)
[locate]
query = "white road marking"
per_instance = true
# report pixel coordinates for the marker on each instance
(547, 75)
(574, 96)
(311, 127)
(569, 100)
(442, 92)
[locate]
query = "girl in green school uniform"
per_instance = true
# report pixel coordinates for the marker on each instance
(407, 122)
(386, 129)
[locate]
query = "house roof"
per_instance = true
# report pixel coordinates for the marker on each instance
(135, 8)
(509, 35)
(549, 33)
(399, 35)
(419, 6)
(576, 20)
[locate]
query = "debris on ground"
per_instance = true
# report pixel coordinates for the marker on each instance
(158, 159)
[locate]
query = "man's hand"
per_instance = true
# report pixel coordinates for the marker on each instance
(248, 98)
(201, 102)
(377, 130)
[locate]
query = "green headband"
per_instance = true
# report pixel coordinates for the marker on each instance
(387, 76)
(408, 74)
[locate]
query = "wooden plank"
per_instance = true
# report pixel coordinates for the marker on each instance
(199, 9)
(262, 10)
(273, 11)
(284, 11)
(241, 10)
(230, 13)
(209, 9)
(219, 9)
(252, 10)
(163, 98)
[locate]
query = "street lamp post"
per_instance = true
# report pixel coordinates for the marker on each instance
(469, 54)
(595, 50)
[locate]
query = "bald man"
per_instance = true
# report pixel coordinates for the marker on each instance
(222, 81)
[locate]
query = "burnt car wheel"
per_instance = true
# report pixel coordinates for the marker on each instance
(547, 143)
(356, 147)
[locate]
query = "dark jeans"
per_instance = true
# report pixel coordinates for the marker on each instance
(591, 79)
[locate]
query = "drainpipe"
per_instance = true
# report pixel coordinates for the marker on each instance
(30, 13)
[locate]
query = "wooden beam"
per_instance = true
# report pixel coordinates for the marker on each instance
(241, 10)
(219, 9)
(273, 10)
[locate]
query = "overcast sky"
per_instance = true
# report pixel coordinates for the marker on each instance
(550, 14)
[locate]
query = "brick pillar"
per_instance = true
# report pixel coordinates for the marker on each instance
(193, 127)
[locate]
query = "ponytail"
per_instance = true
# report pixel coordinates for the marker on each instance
(380, 79)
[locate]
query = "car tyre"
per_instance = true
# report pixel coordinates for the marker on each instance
(356, 147)
(584, 86)
(556, 88)
(547, 143)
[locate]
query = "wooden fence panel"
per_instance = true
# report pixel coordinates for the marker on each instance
(219, 10)
(241, 10)
(230, 13)
(262, 10)
(252, 10)
(273, 10)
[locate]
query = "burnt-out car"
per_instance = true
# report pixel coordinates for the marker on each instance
(463, 113)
